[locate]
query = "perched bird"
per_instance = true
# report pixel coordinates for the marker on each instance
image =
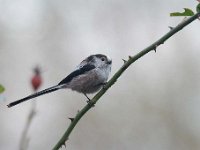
(89, 76)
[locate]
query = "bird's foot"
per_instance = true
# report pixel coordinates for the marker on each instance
(104, 84)
(89, 101)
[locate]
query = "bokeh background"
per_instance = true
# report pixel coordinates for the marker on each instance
(154, 105)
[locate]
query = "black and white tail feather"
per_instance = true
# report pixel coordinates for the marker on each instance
(45, 91)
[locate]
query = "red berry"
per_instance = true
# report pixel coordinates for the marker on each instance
(36, 82)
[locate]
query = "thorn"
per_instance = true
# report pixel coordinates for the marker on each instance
(155, 48)
(64, 144)
(130, 57)
(124, 60)
(71, 119)
(170, 27)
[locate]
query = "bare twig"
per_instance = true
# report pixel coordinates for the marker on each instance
(24, 141)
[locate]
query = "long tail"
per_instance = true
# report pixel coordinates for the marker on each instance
(48, 90)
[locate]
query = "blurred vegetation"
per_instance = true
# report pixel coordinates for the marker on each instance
(2, 89)
(187, 12)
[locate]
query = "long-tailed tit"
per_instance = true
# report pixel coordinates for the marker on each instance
(90, 75)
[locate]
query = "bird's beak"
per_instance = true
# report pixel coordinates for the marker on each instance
(109, 60)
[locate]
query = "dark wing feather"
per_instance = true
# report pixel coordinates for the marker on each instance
(76, 73)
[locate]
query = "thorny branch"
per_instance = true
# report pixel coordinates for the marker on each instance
(126, 64)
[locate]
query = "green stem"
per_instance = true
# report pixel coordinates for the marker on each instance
(118, 74)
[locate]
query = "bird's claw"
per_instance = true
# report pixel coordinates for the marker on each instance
(91, 103)
(104, 84)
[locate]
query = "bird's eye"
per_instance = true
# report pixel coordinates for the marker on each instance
(102, 59)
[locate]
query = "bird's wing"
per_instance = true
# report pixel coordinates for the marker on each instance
(77, 72)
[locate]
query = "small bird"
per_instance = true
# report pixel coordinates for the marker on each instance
(89, 77)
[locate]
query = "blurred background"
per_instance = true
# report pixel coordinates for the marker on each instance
(154, 105)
